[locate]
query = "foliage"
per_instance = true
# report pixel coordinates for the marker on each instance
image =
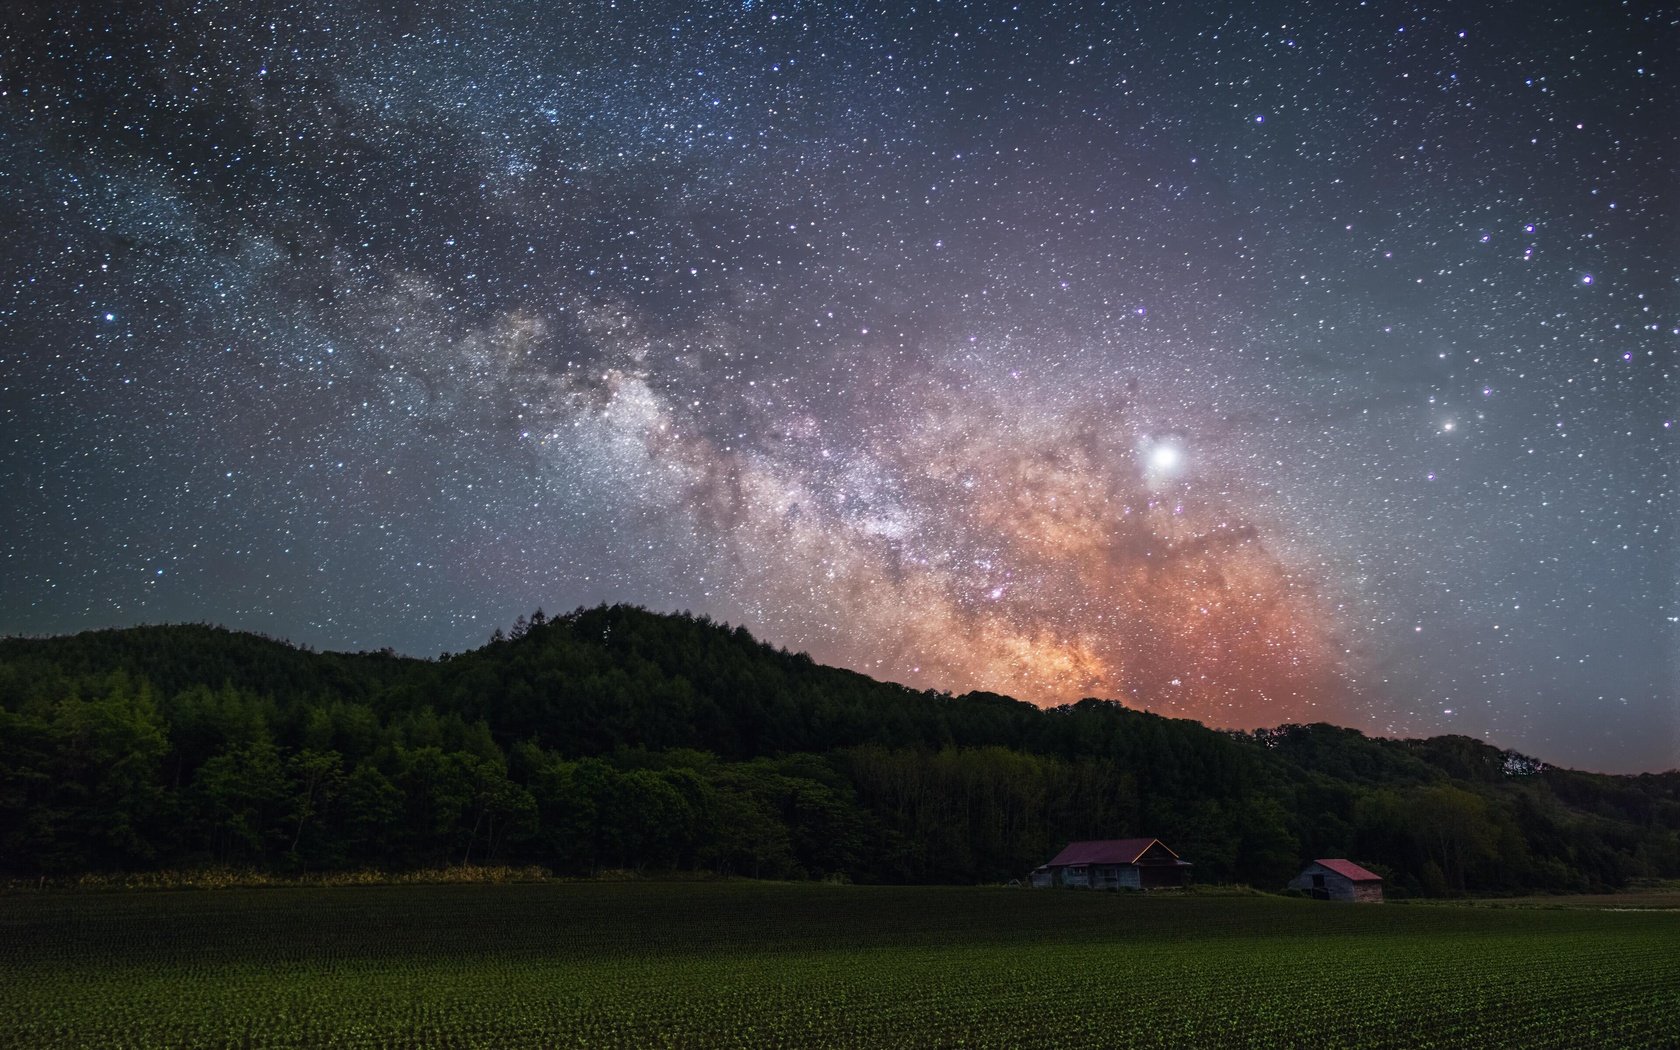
(617, 738)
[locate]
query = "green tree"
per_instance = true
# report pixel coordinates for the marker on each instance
(316, 779)
(501, 811)
(438, 794)
(242, 797)
(107, 772)
(370, 817)
(1454, 830)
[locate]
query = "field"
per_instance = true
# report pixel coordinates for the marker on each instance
(751, 965)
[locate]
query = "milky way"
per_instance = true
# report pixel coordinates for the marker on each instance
(1275, 363)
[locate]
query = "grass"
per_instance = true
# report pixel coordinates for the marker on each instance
(753, 964)
(1655, 896)
(227, 878)
(1652, 898)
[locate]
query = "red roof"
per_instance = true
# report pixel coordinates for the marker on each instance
(1104, 851)
(1349, 870)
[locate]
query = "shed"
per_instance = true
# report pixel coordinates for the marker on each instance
(1335, 879)
(1112, 864)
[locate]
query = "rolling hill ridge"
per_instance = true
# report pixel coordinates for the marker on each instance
(615, 737)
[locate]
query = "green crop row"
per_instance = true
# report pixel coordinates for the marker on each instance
(755, 966)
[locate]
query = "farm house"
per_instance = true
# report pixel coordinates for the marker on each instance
(1112, 864)
(1339, 880)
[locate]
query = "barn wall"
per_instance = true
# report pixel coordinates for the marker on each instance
(1339, 887)
(1129, 877)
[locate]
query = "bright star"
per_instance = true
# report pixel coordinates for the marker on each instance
(1165, 458)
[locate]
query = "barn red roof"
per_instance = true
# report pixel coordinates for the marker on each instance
(1349, 870)
(1104, 851)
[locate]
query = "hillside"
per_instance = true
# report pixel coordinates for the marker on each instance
(616, 737)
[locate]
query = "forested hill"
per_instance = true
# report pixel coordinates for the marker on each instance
(619, 738)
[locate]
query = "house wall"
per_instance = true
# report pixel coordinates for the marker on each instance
(1160, 876)
(1093, 877)
(1157, 852)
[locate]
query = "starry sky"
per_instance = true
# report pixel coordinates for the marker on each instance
(1254, 362)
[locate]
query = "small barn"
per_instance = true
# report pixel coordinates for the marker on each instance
(1339, 880)
(1112, 864)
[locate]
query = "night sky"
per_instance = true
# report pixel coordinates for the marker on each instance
(1286, 362)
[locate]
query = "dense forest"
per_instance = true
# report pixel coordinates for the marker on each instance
(619, 738)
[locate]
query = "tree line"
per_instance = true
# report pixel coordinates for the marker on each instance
(615, 737)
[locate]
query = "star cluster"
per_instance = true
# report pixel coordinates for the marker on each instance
(1263, 363)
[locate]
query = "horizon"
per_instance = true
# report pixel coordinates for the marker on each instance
(444, 655)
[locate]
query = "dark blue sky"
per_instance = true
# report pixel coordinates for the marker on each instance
(1276, 362)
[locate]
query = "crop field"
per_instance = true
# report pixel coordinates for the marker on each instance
(755, 965)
